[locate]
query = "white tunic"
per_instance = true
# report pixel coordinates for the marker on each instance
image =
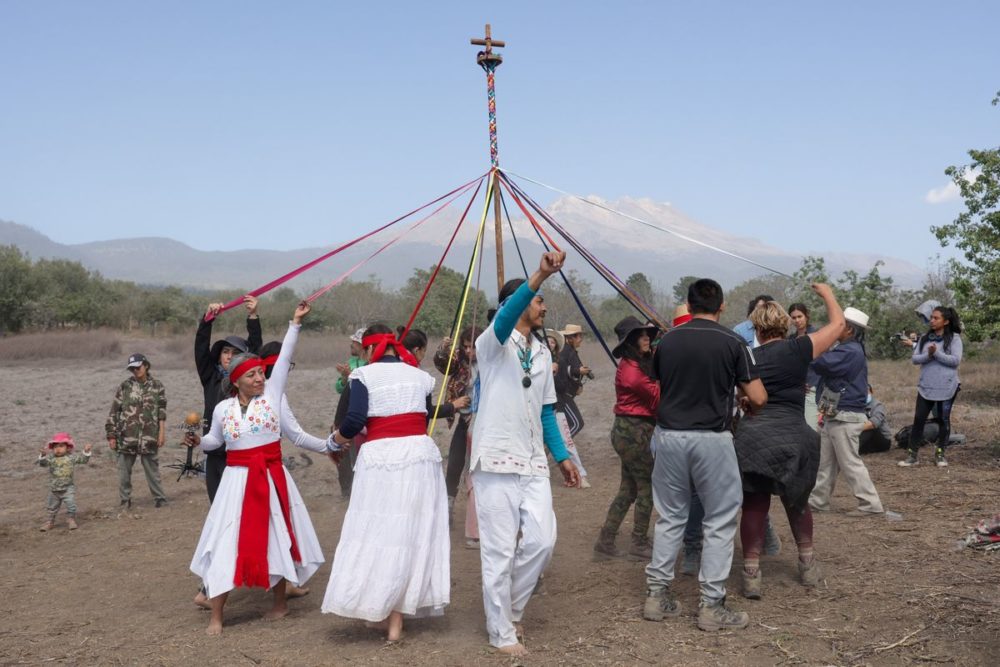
(507, 433)
(215, 557)
(394, 546)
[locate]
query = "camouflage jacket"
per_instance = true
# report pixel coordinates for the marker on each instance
(135, 416)
(61, 469)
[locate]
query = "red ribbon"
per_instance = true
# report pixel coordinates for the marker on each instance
(397, 426)
(681, 319)
(247, 365)
(269, 361)
(251, 547)
(381, 342)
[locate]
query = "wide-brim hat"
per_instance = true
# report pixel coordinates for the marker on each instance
(626, 327)
(856, 317)
(358, 335)
(229, 341)
(681, 315)
(61, 439)
(559, 338)
(571, 330)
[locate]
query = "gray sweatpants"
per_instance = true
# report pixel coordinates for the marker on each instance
(57, 498)
(150, 466)
(685, 462)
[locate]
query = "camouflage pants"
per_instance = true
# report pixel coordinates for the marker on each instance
(630, 438)
(150, 466)
(57, 498)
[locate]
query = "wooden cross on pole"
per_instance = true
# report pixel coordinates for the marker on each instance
(489, 61)
(489, 43)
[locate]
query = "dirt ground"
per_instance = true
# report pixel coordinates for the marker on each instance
(118, 590)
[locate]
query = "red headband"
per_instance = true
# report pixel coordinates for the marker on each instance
(269, 361)
(247, 365)
(681, 319)
(381, 342)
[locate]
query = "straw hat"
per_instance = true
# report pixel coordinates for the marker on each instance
(681, 315)
(557, 337)
(572, 330)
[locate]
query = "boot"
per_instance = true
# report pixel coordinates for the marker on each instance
(604, 548)
(751, 585)
(47, 526)
(717, 616)
(691, 563)
(71, 522)
(641, 549)
(660, 604)
(809, 573)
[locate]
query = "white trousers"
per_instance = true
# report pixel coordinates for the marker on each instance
(508, 504)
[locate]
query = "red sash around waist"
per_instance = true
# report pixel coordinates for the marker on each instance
(251, 548)
(397, 426)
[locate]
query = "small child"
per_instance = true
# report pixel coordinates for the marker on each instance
(56, 458)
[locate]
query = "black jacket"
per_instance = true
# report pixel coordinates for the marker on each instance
(208, 363)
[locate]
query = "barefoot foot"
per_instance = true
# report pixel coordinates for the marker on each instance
(293, 591)
(513, 649)
(395, 631)
(276, 612)
(214, 628)
(201, 600)
(382, 626)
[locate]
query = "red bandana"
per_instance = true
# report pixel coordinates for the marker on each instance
(240, 370)
(381, 342)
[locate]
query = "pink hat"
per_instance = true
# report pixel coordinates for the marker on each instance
(61, 439)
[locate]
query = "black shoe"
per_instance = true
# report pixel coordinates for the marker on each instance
(160, 502)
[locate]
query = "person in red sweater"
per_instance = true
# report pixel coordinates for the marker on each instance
(636, 397)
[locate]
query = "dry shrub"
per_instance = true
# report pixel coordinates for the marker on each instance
(321, 350)
(97, 344)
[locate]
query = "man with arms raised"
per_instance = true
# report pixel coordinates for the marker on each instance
(515, 424)
(698, 366)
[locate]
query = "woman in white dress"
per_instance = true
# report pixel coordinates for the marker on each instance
(393, 555)
(258, 532)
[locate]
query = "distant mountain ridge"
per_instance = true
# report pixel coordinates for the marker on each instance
(622, 244)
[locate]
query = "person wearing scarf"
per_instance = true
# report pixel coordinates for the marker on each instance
(258, 532)
(393, 557)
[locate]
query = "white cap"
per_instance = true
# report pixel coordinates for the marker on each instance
(855, 316)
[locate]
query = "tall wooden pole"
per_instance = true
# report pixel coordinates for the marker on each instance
(489, 61)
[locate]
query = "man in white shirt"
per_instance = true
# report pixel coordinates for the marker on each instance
(513, 427)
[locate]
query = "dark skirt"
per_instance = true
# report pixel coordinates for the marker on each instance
(778, 454)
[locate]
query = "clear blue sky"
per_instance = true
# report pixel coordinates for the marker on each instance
(240, 124)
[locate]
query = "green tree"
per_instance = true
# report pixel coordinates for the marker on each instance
(17, 289)
(976, 232)
(437, 315)
(639, 283)
(680, 289)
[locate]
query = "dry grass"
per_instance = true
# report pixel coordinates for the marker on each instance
(99, 344)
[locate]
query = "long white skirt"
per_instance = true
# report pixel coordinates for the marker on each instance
(394, 546)
(215, 558)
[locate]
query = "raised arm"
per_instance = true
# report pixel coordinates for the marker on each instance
(825, 337)
(255, 337)
(202, 352)
(510, 312)
(275, 386)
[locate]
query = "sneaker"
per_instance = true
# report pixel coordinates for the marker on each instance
(809, 573)
(691, 563)
(71, 522)
(751, 585)
(160, 502)
(584, 484)
(772, 543)
(939, 459)
(717, 616)
(910, 460)
(660, 604)
(472, 543)
(47, 526)
(861, 514)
